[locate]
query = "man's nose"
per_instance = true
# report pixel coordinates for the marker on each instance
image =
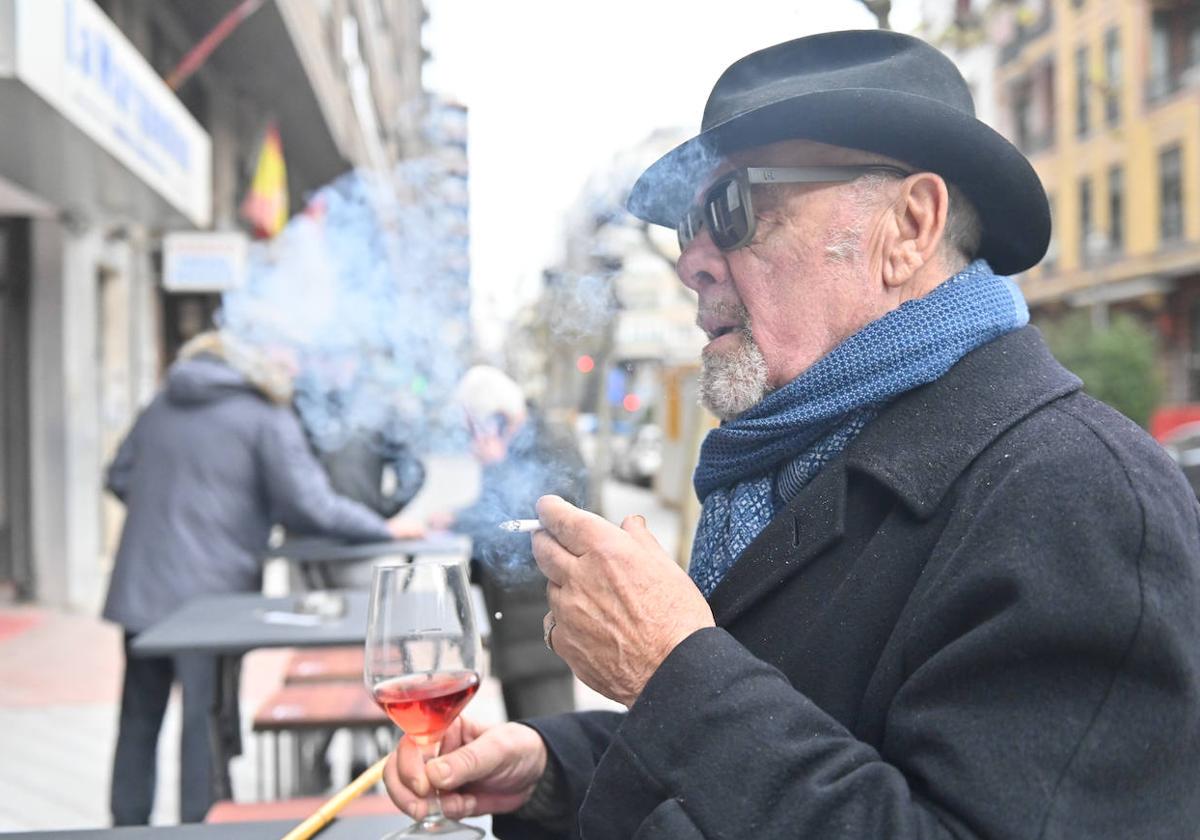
(702, 263)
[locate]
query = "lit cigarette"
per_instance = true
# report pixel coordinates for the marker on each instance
(521, 526)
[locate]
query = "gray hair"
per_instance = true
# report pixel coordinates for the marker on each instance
(964, 229)
(960, 238)
(485, 390)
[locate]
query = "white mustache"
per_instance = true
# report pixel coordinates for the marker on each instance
(723, 310)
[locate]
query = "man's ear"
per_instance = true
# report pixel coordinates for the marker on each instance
(920, 222)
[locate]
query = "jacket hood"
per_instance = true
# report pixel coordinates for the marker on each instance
(204, 378)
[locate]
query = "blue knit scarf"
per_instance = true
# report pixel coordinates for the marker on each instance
(751, 466)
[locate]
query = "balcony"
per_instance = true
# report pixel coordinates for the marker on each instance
(1166, 85)
(1026, 34)
(1037, 142)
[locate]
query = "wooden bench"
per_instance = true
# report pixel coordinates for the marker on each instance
(321, 705)
(344, 664)
(299, 808)
(317, 707)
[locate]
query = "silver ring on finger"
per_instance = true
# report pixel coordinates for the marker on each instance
(548, 625)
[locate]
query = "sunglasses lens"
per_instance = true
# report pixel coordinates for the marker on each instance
(689, 227)
(727, 215)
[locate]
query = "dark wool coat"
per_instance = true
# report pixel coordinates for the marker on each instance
(982, 621)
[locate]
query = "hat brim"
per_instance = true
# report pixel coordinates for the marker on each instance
(916, 130)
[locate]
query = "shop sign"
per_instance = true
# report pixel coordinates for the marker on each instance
(202, 261)
(76, 58)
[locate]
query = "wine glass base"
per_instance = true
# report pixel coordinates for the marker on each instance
(443, 829)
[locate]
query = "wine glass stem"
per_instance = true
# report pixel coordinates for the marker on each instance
(429, 751)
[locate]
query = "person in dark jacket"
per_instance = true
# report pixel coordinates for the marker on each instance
(935, 590)
(214, 461)
(522, 458)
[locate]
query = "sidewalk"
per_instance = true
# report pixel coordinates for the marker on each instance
(60, 684)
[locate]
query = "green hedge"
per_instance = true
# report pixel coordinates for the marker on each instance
(1116, 363)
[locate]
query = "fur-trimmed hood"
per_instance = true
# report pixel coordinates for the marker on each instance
(214, 363)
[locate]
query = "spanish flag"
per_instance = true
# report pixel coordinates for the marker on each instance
(266, 205)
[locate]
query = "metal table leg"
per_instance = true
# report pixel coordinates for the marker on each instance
(225, 726)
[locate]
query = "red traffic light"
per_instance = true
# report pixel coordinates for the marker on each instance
(585, 363)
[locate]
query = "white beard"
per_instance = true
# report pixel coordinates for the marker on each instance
(733, 381)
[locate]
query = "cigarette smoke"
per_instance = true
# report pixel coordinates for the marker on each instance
(368, 290)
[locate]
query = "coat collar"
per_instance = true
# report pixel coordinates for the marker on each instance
(916, 447)
(920, 444)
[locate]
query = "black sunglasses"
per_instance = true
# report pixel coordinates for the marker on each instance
(726, 208)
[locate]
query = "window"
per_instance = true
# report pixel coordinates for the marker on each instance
(1085, 218)
(1032, 98)
(1022, 99)
(1044, 88)
(1050, 261)
(1170, 194)
(1112, 77)
(1174, 48)
(1081, 91)
(1116, 209)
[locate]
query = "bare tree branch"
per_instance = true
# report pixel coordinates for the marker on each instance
(882, 9)
(653, 247)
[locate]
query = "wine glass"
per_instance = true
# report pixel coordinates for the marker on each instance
(424, 662)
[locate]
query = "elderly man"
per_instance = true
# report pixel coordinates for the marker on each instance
(935, 590)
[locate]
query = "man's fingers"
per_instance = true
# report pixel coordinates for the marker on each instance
(468, 763)
(635, 526)
(411, 767)
(552, 559)
(576, 529)
(401, 793)
(459, 805)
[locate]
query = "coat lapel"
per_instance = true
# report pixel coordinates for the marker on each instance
(814, 520)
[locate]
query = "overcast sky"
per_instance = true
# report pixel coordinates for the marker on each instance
(556, 88)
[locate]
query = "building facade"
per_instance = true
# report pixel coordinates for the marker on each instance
(100, 159)
(1104, 98)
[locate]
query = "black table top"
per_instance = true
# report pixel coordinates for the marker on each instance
(244, 621)
(349, 828)
(240, 622)
(326, 550)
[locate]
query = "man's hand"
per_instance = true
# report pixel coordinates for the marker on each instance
(481, 770)
(405, 529)
(620, 604)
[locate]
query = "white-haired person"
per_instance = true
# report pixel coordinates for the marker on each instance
(522, 457)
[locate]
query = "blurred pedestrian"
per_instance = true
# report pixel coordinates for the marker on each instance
(215, 460)
(379, 471)
(935, 589)
(522, 457)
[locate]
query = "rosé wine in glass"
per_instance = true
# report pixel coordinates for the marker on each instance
(424, 662)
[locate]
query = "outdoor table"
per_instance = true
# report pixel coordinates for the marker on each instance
(231, 625)
(348, 828)
(313, 556)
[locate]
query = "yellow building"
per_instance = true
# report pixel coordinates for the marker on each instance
(1104, 98)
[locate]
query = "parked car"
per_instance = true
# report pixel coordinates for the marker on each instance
(638, 457)
(1183, 445)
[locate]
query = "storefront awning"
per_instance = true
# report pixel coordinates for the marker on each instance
(311, 111)
(87, 125)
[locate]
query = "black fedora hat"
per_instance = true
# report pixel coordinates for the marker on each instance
(872, 90)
